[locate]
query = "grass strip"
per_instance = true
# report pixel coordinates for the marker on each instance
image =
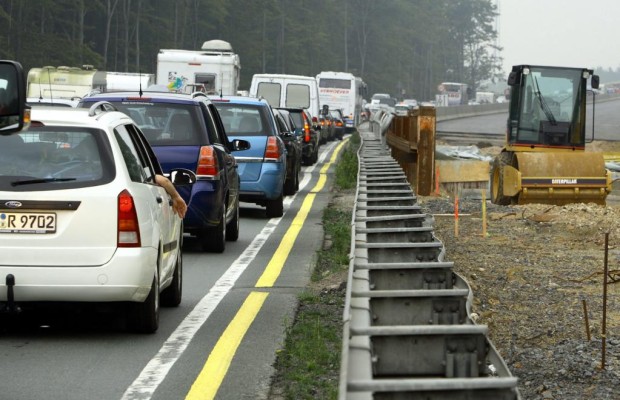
(309, 365)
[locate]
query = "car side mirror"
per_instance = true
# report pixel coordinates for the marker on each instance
(14, 114)
(595, 82)
(514, 78)
(182, 177)
(325, 109)
(240, 145)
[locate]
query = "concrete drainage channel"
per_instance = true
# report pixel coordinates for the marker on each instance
(407, 327)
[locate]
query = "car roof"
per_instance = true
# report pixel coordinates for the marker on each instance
(68, 116)
(156, 96)
(42, 101)
(292, 109)
(239, 100)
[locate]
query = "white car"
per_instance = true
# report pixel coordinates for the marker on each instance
(82, 219)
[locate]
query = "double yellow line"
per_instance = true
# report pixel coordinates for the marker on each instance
(215, 369)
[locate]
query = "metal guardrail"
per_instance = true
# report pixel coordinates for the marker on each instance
(407, 329)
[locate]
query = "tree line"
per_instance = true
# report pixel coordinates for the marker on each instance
(402, 47)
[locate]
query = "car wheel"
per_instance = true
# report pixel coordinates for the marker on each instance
(232, 229)
(289, 185)
(307, 160)
(214, 240)
(315, 157)
(297, 178)
(171, 296)
(275, 208)
(144, 317)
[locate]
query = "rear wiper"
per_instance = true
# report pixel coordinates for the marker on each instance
(42, 180)
(544, 105)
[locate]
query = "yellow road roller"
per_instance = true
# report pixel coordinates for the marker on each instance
(544, 160)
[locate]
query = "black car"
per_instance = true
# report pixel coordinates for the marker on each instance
(185, 131)
(286, 129)
(338, 123)
(310, 133)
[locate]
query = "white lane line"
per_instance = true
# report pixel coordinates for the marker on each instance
(158, 367)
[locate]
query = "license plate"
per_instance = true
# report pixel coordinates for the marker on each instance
(17, 222)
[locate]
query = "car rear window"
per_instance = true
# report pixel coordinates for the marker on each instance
(165, 124)
(53, 158)
(244, 119)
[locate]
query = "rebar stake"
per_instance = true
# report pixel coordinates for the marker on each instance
(604, 329)
(585, 315)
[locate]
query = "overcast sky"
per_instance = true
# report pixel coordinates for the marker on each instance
(574, 33)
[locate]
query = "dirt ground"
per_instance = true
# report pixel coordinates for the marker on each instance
(531, 276)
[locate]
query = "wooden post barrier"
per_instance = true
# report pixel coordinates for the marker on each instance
(412, 142)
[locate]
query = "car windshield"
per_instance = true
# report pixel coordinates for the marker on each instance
(164, 124)
(48, 158)
(244, 119)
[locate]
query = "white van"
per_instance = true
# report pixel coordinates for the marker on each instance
(281, 90)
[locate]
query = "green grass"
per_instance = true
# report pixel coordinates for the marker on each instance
(309, 365)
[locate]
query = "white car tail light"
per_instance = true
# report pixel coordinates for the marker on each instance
(128, 227)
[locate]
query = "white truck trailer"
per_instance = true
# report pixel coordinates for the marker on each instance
(215, 69)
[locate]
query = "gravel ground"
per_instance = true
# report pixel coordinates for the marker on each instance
(529, 276)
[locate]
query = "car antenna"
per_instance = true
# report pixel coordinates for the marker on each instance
(49, 81)
(140, 92)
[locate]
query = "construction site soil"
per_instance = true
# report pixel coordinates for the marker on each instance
(535, 274)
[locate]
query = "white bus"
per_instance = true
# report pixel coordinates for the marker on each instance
(342, 90)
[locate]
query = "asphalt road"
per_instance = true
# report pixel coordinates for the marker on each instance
(220, 343)
(606, 122)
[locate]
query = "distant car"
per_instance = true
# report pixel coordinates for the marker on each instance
(88, 223)
(286, 129)
(262, 168)
(338, 123)
(402, 109)
(330, 125)
(326, 128)
(309, 131)
(411, 102)
(185, 131)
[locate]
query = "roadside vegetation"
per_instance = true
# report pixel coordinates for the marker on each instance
(309, 365)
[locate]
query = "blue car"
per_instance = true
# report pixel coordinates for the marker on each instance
(185, 131)
(262, 168)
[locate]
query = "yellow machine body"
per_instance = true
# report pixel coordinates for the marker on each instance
(557, 178)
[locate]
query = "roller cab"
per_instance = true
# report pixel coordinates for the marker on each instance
(544, 160)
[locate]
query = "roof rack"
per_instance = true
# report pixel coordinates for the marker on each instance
(101, 107)
(199, 94)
